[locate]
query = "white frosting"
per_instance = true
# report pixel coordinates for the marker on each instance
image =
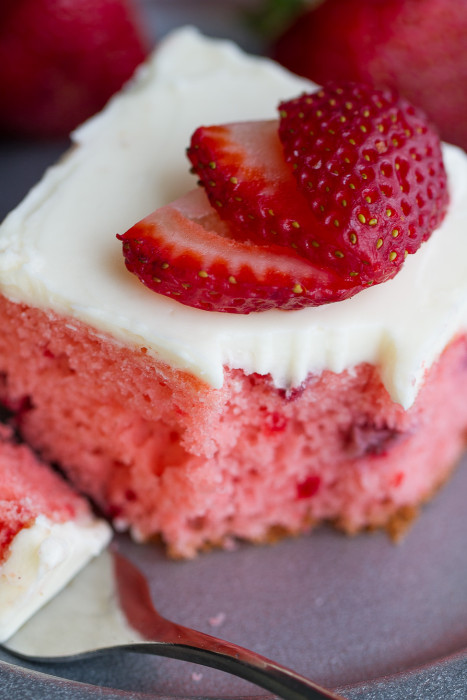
(86, 615)
(41, 561)
(58, 248)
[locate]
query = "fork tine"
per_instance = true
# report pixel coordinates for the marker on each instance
(135, 601)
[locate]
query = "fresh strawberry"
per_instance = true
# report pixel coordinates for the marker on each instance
(371, 170)
(418, 47)
(242, 168)
(364, 183)
(184, 251)
(60, 61)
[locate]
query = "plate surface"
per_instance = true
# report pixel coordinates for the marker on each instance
(371, 618)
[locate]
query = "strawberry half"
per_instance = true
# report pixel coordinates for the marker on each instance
(371, 169)
(243, 170)
(185, 251)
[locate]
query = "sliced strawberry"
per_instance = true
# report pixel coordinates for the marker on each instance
(371, 169)
(357, 183)
(248, 182)
(365, 182)
(185, 251)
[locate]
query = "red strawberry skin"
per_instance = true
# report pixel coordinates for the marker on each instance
(61, 60)
(184, 251)
(371, 169)
(416, 46)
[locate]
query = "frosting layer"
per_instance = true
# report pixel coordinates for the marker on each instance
(58, 248)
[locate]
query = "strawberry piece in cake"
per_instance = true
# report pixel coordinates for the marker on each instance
(197, 426)
(47, 533)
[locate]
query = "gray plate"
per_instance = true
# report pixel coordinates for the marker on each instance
(373, 619)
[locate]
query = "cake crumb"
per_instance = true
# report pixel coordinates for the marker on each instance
(217, 620)
(230, 544)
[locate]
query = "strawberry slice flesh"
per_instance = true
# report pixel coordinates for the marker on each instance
(186, 252)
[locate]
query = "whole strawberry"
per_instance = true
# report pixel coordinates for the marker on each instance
(61, 60)
(418, 47)
(371, 169)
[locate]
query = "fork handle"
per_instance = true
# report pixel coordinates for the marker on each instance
(190, 645)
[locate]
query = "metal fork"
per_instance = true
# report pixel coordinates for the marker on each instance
(151, 633)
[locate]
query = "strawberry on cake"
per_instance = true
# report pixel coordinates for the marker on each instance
(47, 533)
(301, 319)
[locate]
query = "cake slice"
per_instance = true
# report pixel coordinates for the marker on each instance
(196, 426)
(47, 533)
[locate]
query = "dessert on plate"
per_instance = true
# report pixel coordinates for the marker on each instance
(198, 426)
(47, 533)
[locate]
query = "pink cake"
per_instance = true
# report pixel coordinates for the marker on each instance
(165, 454)
(47, 533)
(197, 429)
(30, 489)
